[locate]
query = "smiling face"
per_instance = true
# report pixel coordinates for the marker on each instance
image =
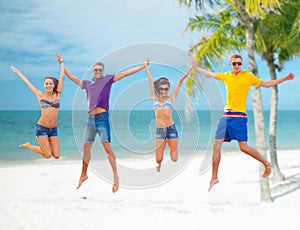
(98, 70)
(236, 64)
(49, 85)
(164, 90)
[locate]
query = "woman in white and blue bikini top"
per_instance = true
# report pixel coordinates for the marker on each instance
(163, 104)
(167, 104)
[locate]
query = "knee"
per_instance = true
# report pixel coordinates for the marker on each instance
(244, 149)
(174, 158)
(87, 147)
(107, 147)
(159, 159)
(217, 145)
(47, 155)
(56, 156)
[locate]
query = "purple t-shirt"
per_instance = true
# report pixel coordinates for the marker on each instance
(98, 91)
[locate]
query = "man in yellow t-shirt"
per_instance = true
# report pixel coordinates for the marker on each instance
(233, 123)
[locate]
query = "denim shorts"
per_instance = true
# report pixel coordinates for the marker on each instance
(97, 123)
(167, 133)
(232, 128)
(44, 131)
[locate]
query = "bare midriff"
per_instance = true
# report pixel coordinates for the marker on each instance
(163, 117)
(97, 110)
(48, 117)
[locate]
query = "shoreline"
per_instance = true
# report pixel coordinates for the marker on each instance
(33, 159)
(44, 196)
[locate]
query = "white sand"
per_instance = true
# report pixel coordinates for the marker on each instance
(43, 196)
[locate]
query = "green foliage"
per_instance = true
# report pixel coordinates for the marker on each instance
(276, 31)
(224, 33)
(279, 33)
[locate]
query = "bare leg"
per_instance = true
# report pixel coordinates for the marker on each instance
(44, 149)
(256, 155)
(85, 162)
(54, 143)
(112, 160)
(216, 158)
(173, 145)
(160, 148)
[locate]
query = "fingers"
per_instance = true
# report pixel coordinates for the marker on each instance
(59, 58)
(14, 69)
(146, 61)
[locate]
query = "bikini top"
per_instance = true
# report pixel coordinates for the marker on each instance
(167, 104)
(46, 104)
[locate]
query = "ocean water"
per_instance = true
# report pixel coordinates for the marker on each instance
(133, 133)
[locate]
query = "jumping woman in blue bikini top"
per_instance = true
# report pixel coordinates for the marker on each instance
(46, 126)
(163, 105)
(167, 104)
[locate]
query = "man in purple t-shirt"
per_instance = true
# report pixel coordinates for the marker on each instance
(98, 93)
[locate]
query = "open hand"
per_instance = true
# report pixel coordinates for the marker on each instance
(290, 76)
(59, 58)
(14, 69)
(146, 61)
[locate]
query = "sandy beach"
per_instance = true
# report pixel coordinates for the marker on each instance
(44, 196)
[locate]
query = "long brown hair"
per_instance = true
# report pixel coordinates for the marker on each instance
(55, 81)
(159, 82)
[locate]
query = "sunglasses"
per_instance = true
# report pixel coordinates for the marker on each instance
(98, 70)
(236, 63)
(164, 89)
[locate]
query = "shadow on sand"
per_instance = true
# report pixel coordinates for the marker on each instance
(289, 185)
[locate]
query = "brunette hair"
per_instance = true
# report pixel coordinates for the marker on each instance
(159, 82)
(55, 81)
(236, 56)
(99, 63)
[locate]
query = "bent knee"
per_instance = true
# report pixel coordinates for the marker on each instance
(174, 159)
(244, 149)
(107, 147)
(47, 155)
(159, 160)
(56, 156)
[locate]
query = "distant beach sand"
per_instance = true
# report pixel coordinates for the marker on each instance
(44, 196)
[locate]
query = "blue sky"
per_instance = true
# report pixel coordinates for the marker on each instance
(33, 31)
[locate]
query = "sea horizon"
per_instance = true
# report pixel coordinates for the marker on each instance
(133, 133)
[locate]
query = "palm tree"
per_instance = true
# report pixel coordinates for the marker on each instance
(278, 34)
(240, 12)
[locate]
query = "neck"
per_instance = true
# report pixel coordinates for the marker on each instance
(236, 72)
(164, 97)
(96, 78)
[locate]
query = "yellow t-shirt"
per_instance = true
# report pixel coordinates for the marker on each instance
(237, 87)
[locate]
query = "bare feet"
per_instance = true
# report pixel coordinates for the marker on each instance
(212, 183)
(116, 185)
(25, 145)
(158, 167)
(268, 169)
(81, 180)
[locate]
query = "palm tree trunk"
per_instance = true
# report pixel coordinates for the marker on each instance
(265, 194)
(277, 175)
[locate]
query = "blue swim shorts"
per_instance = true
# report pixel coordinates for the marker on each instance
(98, 123)
(232, 126)
(167, 133)
(44, 131)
